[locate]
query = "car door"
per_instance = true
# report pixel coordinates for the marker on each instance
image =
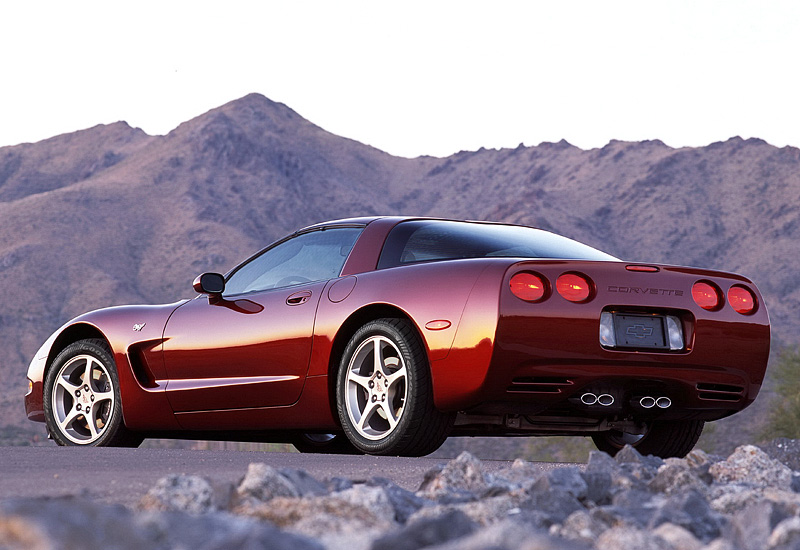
(251, 346)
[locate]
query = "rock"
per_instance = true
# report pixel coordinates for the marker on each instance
(76, 523)
(691, 511)
(598, 486)
(509, 535)
(218, 532)
(405, 503)
(448, 526)
(180, 493)
(601, 468)
(463, 474)
(631, 508)
(719, 544)
(734, 498)
(336, 522)
(484, 512)
(580, 526)
(337, 484)
(629, 455)
(636, 466)
(557, 504)
(68, 522)
(618, 538)
(567, 479)
(600, 461)
(697, 458)
(785, 534)
(303, 482)
(749, 528)
(263, 483)
(677, 537)
(520, 473)
(749, 464)
(374, 499)
(675, 476)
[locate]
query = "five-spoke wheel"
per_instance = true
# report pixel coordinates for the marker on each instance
(81, 398)
(376, 387)
(384, 394)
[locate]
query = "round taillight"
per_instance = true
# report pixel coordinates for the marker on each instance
(742, 300)
(574, 287)
(706, 295)
(528, 286)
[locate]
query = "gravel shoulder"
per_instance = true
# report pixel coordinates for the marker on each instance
(123, 476)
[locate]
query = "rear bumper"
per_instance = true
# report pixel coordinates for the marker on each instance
(547, 354)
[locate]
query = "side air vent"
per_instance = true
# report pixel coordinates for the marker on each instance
(539, 384)
(719, 392)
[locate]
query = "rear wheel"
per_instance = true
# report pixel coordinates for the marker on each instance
(663, 439)
(384, 393)
(82, 404)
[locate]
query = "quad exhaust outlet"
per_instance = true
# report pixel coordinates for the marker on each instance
(648, 402)
(604, 399)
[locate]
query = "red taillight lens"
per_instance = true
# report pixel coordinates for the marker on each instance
(742, 300)
(528, 286)
(574, 287)
(706, 295)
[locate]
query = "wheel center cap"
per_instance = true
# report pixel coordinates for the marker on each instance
(86, 397)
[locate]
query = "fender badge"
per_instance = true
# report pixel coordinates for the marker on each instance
(139, 327)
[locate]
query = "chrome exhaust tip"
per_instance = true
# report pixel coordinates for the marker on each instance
(663, 402)
(647, 402)
(588, 399)
(605, 399)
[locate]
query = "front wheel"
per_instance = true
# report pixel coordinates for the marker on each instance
(82, 404)
(384, 393)
(662, 439)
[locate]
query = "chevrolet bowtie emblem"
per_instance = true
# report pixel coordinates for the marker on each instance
(639, 331)
(138, 327)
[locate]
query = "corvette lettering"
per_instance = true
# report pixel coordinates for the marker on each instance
(645, 290)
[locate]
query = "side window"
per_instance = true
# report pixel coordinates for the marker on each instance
(315, 256)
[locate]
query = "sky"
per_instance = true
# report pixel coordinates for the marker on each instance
(412, 78)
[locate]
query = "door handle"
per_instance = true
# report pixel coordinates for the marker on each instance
(298, 298)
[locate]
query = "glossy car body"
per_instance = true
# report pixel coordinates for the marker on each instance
(262, 365)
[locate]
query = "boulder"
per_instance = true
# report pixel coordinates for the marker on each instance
(180, 493)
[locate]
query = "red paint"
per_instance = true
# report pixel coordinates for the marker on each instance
(267, 362)
(341, 289)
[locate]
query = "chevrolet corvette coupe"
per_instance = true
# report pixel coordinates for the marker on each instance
(386, 335)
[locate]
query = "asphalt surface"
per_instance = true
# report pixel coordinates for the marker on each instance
(123, 476)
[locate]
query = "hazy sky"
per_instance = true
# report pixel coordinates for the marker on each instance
(409, 77)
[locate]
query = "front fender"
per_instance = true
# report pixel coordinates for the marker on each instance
(135, 335)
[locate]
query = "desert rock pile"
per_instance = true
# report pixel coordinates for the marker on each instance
(748, 501)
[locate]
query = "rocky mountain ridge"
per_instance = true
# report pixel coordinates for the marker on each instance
(110, 215)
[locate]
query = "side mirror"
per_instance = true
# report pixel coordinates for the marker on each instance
(209, 283)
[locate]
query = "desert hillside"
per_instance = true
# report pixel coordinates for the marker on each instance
(111, 215)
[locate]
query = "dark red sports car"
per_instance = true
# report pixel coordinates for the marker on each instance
(386, 335)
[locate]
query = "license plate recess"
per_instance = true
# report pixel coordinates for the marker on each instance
(641, 331)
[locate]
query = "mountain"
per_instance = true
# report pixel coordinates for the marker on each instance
(111, 215)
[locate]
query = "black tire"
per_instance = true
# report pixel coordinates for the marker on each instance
(401, 388)
(332, 444)
(69, 397)
(662, 439)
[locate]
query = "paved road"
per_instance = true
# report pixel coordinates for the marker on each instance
(122, 476)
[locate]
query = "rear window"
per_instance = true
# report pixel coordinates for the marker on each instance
(426, 241)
